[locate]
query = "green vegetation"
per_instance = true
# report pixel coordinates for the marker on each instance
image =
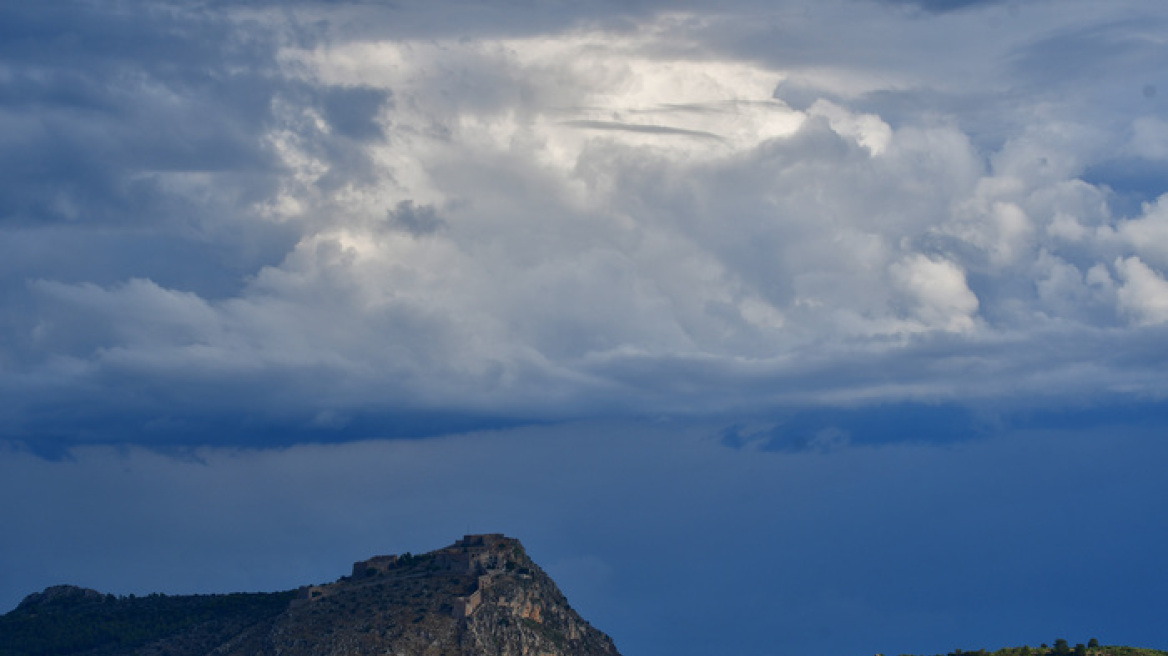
(105, 624)
(1062, 648)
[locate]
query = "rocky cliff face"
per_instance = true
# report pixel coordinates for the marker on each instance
(480, 596)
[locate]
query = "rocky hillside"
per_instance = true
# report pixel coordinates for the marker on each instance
(481, 595)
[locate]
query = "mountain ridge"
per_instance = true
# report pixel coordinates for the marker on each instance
(482, 595)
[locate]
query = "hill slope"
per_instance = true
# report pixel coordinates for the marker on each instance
(481, 595)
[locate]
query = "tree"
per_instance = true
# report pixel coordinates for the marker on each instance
(1080, 649)
(1093, 643)
(1062, 647)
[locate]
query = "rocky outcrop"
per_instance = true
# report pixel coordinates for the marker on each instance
(481, 595)
(59, 595)
(526, 615)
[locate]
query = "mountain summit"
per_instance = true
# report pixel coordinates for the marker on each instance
(481, 595)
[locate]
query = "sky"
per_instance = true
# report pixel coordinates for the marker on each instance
(780, 328)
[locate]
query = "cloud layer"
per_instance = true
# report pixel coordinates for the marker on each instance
(306, 218)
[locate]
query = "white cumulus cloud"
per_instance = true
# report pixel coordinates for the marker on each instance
(589, 216)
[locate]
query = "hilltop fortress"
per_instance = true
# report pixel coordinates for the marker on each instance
(482, 556)
(473, 554)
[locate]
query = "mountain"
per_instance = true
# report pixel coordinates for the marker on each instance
(481, 595)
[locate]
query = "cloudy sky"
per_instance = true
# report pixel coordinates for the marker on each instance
(772, 328)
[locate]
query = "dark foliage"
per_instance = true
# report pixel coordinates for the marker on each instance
(100, 625)
(1062, 648)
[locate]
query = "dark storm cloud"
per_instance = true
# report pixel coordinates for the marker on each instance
(353, 111)
(108, 117)
(416, 220)
(150, 120)
(94, 97)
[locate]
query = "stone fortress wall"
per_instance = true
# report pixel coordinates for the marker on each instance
(482, 555)
(474, 554)
(374, 566)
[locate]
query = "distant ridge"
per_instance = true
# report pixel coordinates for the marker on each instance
(1060, 648)
(481, 595)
